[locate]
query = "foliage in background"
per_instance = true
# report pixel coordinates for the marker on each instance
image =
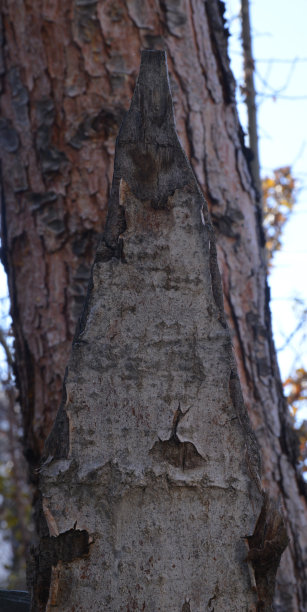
(296, 393)
(278, 197)
(15, 504)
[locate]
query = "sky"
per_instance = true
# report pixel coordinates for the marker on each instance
(280, 53)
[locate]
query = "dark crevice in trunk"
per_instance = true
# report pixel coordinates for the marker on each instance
(51, 550)
(219, 35)
(266, 546)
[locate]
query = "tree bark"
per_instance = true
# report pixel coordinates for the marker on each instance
(68, 70)
(149, 469)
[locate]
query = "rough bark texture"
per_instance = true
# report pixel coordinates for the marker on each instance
(160, 468)
(67, 73)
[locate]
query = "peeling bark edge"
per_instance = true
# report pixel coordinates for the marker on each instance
(45, 557)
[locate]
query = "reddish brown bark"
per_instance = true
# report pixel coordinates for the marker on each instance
(68, 71)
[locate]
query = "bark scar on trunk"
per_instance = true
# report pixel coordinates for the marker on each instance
(180, 454)
(64, 548)
(266, 546)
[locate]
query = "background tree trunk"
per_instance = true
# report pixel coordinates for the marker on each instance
(68, 70)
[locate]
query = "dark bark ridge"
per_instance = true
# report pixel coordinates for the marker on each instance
(148, 143)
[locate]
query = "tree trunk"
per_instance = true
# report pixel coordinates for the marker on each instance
(68, 70)
(144, 472)
(250, 95)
